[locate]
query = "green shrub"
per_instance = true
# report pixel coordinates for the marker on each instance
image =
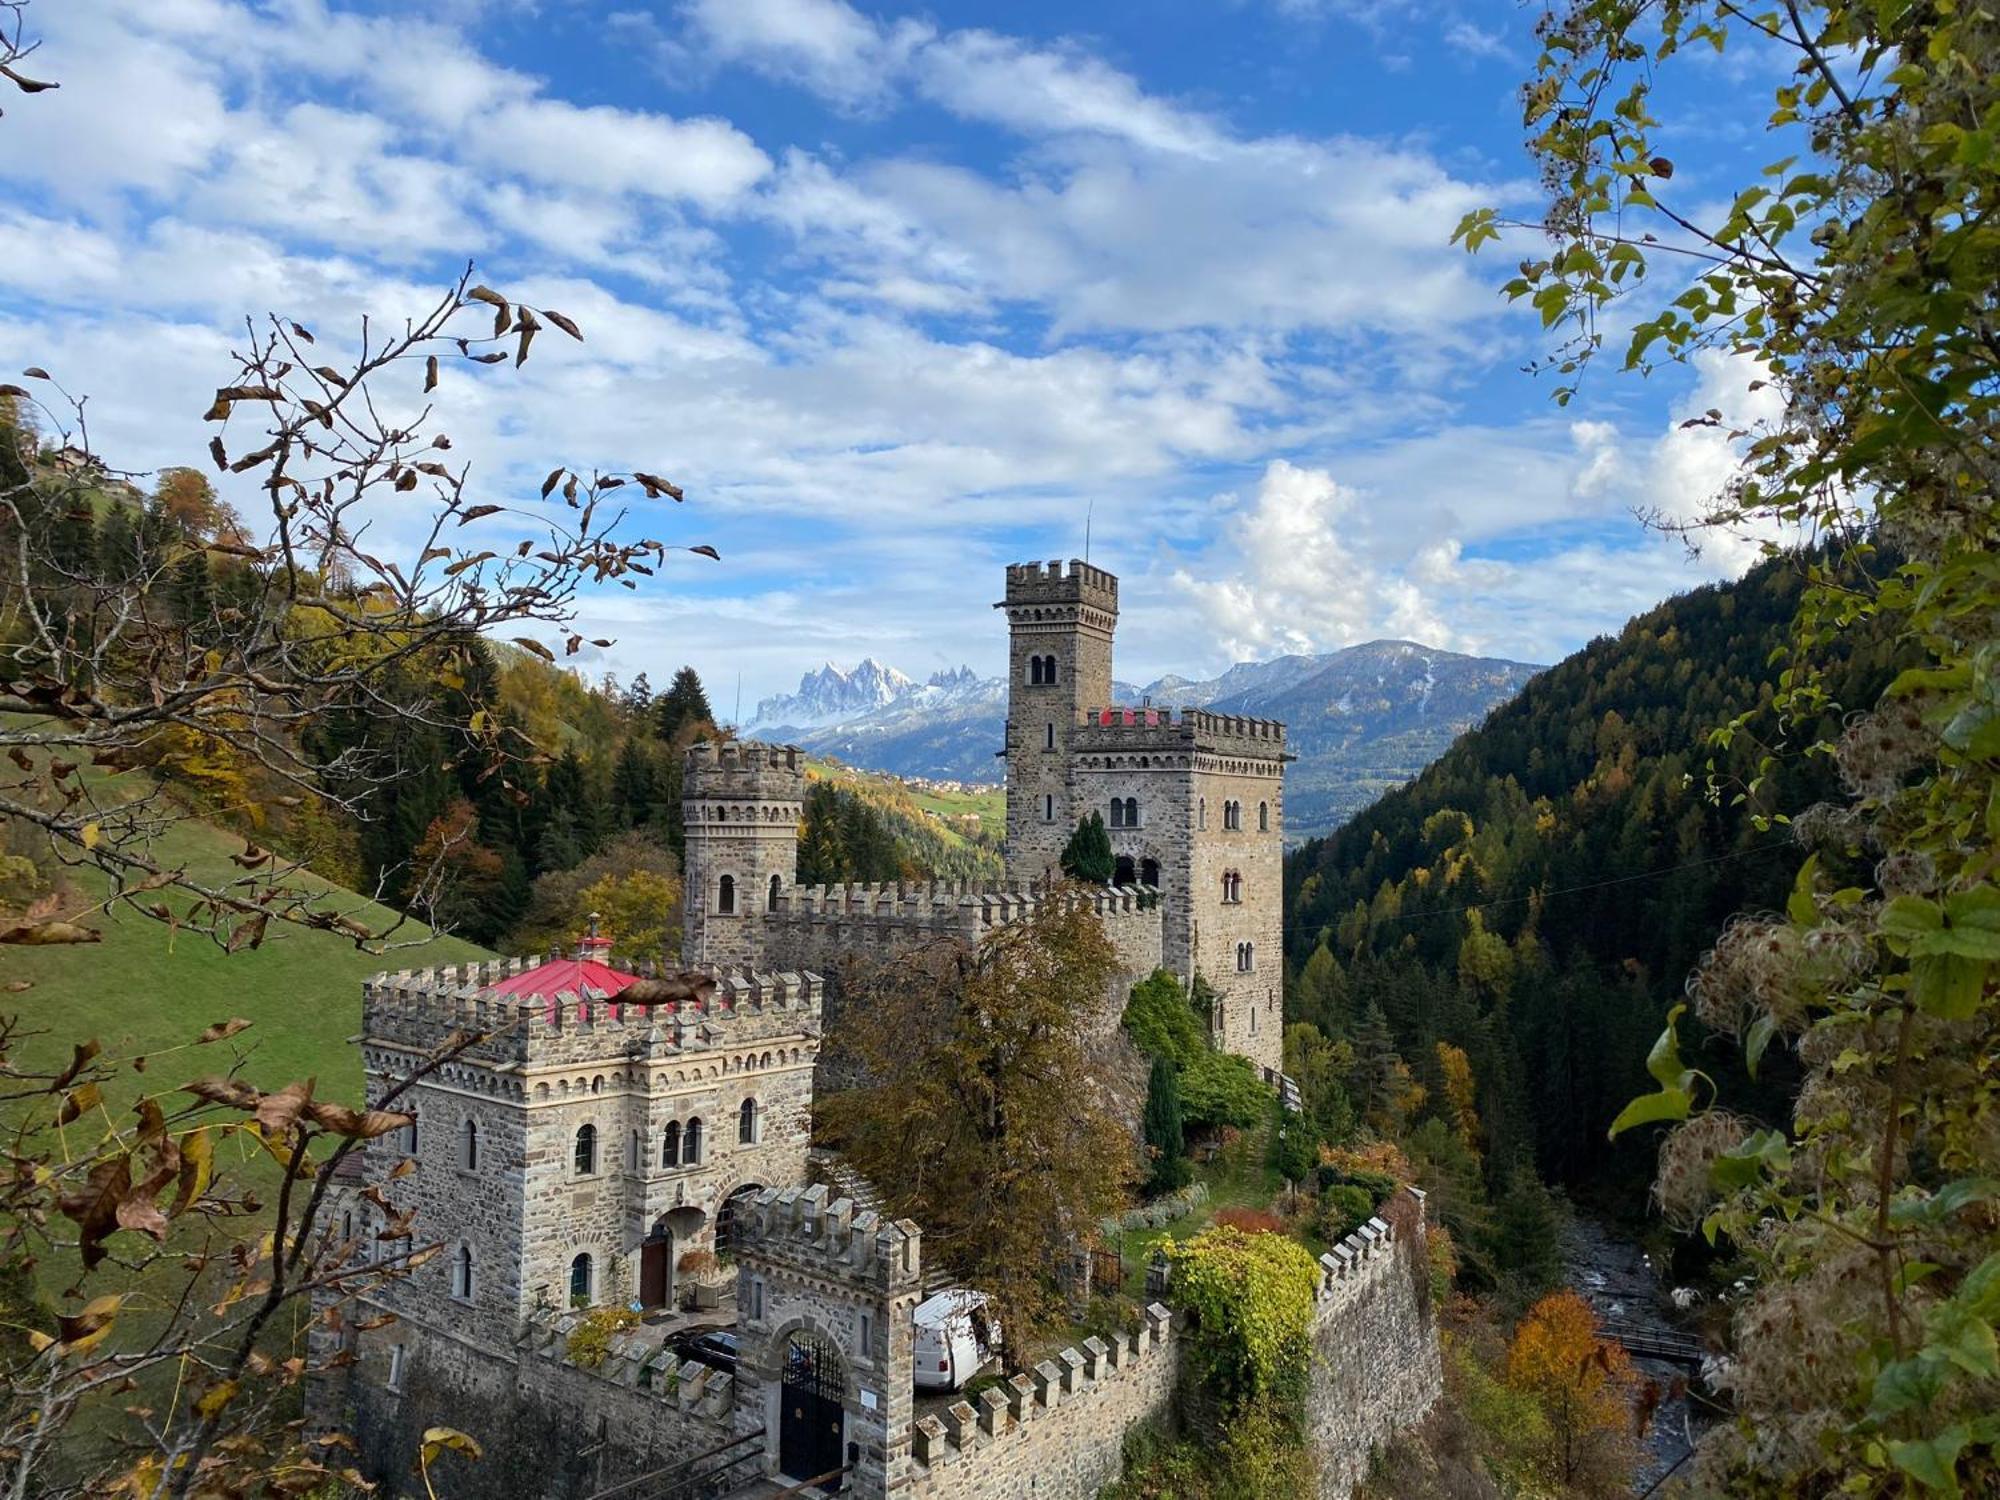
(1343, 1208)
(1162, 1022)
(590, 1341)
(1252, 1297)
(1220, 1088)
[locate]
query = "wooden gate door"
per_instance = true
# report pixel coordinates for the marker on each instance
(655, 1260)
(811, 1420)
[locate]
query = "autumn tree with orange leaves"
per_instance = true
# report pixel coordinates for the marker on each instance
(1584, 1386)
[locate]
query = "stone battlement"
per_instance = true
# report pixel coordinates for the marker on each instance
(422, 1008)
(801, 1228)
(633, 1360)
(1060, 1387)
(1162, 729)
(972, 908)
(1034, 583)
(745, 768)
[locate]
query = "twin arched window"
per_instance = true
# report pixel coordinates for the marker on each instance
(725, 895)
(1124, 812)
(1246, 957)
(747, 1123)
(1232, 815)
(586, 1151)
(680, 1145)
(1041, 671)
(1232, 893)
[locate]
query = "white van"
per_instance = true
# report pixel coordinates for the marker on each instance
(949, 1349)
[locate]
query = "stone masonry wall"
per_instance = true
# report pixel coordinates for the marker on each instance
(547, 1429)
(1376, 1370)
(1056, 1433)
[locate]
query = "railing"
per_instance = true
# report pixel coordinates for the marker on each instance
(817, 1482)
(1654, 1342)
(676, 1479)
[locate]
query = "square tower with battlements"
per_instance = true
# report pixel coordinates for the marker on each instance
(1193, 801)
(1059, 627)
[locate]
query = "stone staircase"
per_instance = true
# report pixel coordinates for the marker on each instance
(844, 1182)
(828, 1167)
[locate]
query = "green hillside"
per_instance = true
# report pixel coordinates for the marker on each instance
(1538, 895)
(877, 827)
(145, 988)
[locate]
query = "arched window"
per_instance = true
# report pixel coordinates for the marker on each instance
(579, 1281)
(725, 895)
(632, 1162)
(586, 1150)
(771, 902)
(746, 1123)
(670, 1144)
(1131, 812)
(1149, 872)
(1117, 813)
(1263, 817)
(1201, 813)
(1048, 737)
(1225, 885)
(691, 1143)
(461, 1274)
(1048, 809)
(469, 1155)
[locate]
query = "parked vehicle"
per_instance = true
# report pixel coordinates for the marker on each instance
(957, 1334)
(718, 1349)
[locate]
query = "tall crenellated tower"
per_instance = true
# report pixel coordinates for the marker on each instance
(1060, 624)
(742, 804)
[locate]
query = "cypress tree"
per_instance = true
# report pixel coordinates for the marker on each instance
(1087, 857)
(1164, 1129)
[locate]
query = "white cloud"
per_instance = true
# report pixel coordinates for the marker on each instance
(617, 151)
(1475, 41)
(827, 46)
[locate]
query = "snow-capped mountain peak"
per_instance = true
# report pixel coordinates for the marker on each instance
(833, 695)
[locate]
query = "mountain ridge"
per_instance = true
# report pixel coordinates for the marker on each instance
(1361, 718)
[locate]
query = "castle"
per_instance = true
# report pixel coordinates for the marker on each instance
(1193, 804)
(596, 1136)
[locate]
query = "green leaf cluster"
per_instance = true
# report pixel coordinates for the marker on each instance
(1251, 1295)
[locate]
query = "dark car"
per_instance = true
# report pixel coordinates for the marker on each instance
(716, 1348)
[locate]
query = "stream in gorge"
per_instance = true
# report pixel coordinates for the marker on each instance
(1623, 1287)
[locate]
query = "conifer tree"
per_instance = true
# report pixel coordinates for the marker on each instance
(1166, 1144)
(1087, 857)
(682, 707)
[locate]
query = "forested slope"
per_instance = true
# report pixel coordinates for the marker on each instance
(1538, 895)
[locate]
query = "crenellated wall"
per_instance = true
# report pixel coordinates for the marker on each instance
(1056, 1431)
(1376, 1370)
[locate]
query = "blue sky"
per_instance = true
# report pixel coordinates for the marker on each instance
(899, 294)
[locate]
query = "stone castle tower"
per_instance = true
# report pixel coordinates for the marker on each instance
(1059, 630)
(1194, 803)
(741, 804)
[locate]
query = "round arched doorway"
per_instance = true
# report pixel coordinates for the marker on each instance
(812, 1418)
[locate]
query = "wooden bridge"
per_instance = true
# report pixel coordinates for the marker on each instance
(1654, 1341)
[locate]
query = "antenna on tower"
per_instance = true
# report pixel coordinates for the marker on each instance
(737, 722)
(1089, 506)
